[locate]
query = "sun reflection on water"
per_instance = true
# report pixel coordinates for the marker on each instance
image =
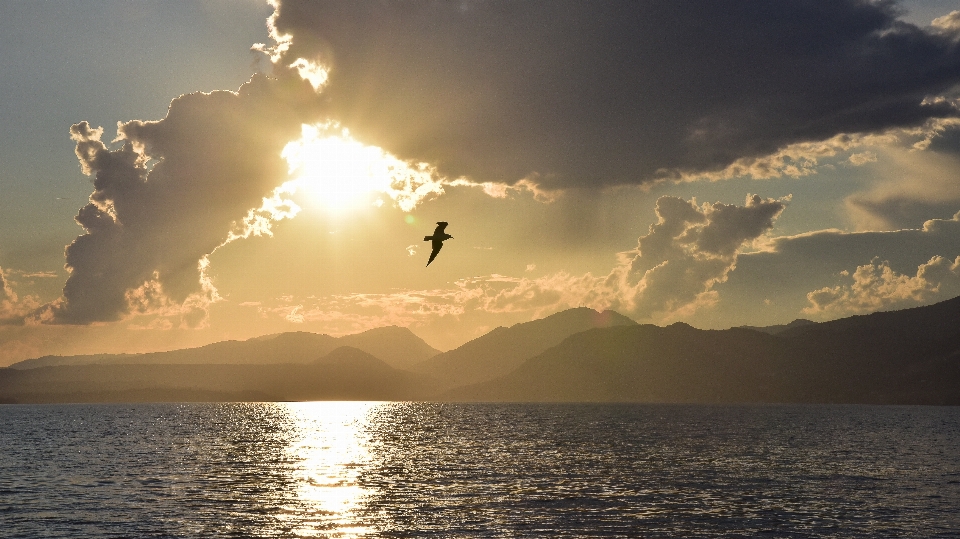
(331, 444)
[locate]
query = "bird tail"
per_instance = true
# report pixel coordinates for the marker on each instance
(427, 238)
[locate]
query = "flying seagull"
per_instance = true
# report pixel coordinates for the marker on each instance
(439, 236)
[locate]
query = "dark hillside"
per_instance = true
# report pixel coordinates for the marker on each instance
(344, 374)
(903, 357)
(504, 349)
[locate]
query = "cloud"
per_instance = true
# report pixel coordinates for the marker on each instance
(542, 295)
(170, 194)
(13, 308)
(800, 158)
(351, 313)
(689, 250)
(339, 170)
(862, 158)
(772, 282)
(837, 250)
(907, 187)
(876, 286)
(596, 93)
(503, 190)
(41, 275)
(948, 25)
(670, 275)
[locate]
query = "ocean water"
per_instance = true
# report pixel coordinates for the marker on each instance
(365, 469)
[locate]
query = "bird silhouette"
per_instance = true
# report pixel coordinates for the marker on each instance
(439, 236)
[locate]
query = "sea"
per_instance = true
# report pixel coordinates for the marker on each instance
(421, 469)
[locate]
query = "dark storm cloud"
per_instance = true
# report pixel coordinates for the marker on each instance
(947, 142)
(588, 93)
(214, 157)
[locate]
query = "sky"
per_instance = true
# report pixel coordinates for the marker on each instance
(175, 173)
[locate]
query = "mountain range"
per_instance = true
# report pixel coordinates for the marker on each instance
(397, 346)
(910, 356)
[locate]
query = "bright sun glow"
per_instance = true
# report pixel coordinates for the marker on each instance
(340, 174)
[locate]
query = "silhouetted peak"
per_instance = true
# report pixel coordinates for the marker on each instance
(594, 318)
(289, 336)
(681, 326)
(387, 330)
(780, 328)
(800, 322)
(398, 346)
(503, 349)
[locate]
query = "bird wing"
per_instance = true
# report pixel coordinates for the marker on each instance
(437, 245)
(440, 226)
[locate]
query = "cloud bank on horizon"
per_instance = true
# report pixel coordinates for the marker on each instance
(542, 99)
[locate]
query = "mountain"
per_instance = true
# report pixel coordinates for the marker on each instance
(910, 356)
(348, 357)
(345, 373)
(399, 347)
(643, 363)
(901, 357)
(913, 353)
(780, 328)
(504, 349)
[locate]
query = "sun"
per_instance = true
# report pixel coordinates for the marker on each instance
(340, 174)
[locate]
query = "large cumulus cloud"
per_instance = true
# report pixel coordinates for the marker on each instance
(688, 251)
(587, 93)
(169, 195)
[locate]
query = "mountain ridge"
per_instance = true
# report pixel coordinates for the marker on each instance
(910, 356)
(780, 328)
(503, 349)
(397, 346)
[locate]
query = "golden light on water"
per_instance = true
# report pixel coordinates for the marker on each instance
(330, 445)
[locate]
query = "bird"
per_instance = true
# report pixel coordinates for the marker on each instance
(439, 236)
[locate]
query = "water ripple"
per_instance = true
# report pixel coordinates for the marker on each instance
(478, 470)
